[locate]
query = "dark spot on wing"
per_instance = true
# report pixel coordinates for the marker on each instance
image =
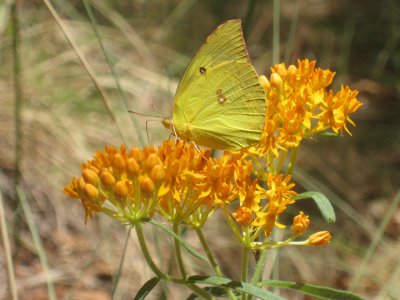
(220, 97)
(202, 70)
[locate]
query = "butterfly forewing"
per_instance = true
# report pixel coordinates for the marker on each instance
(219, 102)
(226, 43)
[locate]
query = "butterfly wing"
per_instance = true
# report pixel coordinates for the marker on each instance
(223, 109)
(219, 102)
(226, 43)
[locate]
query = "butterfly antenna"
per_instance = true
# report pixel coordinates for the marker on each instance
(147, 131)
(157, 110)
(144, 115)
(198, 150)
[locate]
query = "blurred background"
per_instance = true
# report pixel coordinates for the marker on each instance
(62, 120)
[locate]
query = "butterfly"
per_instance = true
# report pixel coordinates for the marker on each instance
(219, 102)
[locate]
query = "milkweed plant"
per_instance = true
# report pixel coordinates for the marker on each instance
(176, 185)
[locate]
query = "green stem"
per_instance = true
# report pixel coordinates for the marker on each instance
(178, 252)
(282, 158)
(245, 260)
(145, 250)
(259, 267)
(208, 252)
(199, 291)
(212, 260)
(293, 156)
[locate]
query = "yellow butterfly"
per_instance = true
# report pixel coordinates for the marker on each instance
(219, 102)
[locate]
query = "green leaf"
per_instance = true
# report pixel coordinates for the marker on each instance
(214, 291)
(329, 134)
(185, 245)
(323, 204)
(235, 285)
(319, 292)
(146, 288)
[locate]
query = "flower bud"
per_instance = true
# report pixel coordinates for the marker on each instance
(107, 179)
(276, 82)
(81, 184)
(319, 239)
(264, 82)
(147, 185)
(90, 177)
(132, 167)
(291, 71)
(301, 222)
(119, 163)
(243, 216)
(91, 191)
(280, 69)
(157, 174)
(120, 189)
(136, 154)
(151, 161)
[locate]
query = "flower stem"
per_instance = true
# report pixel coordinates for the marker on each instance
(245, 260)
(145, 250)
(259, 267)
(211, 259)
(199, 291)
(208, 252)
(293, 156)
(178, 252)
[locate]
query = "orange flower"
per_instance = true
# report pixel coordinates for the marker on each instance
(299, 105)
(301, 222)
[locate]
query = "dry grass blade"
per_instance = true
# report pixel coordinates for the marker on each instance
(7, 251)
(85, 63)
(37, 241)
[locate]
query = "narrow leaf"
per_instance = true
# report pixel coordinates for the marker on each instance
(214, 291)
(146, 288)
(235, 285)
(319, 292)
(185, 245)
(323, 204)
(329, 134)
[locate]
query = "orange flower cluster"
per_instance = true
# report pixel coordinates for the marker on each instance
(299, 105)
(179, 182)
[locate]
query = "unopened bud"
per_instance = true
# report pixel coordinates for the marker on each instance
(91, 191)
(264, 82)
(119, 163)
(120, 189)
(243, 216)
(107, 179)
(132, 167)
(90, 177)
(151, 161)
(147, 185)
(276, 81)
(320, 238)
(291, 71)
(157, 174)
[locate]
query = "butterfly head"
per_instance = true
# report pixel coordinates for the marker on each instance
(167, 123)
